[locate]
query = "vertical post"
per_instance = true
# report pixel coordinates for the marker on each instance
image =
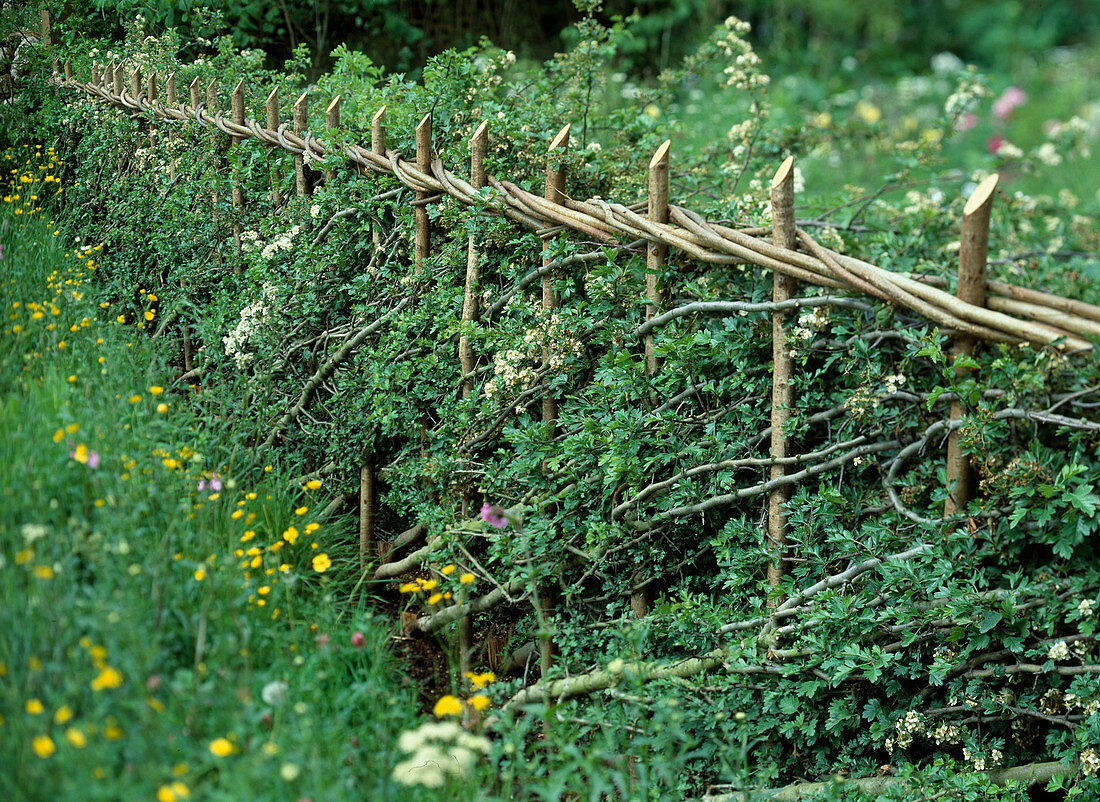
(135, 84)
(555, 193)
(973, 248)
(68, 70)
(96, 77)
(116, 78)
(366, 510)
(47, 38)
(424, 165)
(378, 145)
(301, 122)
(151, 96)
(332, 122)
(479, 146)
(215, 196)
(172, 100)
(237, 110)
(656, 256)
(194, 87)
(272, 105)
(367, 539)
(783, 289)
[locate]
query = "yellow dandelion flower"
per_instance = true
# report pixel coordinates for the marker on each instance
(63, 714)
(447, 570)
(479, 703)
(134, 399)
(43, 572)
(75, 738)
(43, 746)
(427, 584)
(409, 587)
(321, 563)
(108, 678)
(313, 484)
(34, 707)
(162, 408)
(466, 579)
(290, 535)
(156, 390)
(435, 598)
(312, 527)
(221, 747)
(200, 574)
(447, 706)
(301, 511)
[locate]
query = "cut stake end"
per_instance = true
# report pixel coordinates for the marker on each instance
(561, 140)
(379, 115)
(783, 171)
(660, 155)
(981, 194)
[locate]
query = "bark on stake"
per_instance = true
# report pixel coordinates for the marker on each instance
(151, 96)
(424, 165)
(215, 196)
(272, 107)
(554, 193)
(479, 146)
(172, 99)
(46, 37)
(116, 78)
(377, 145)
(655, 258)
(366, 511)
(973, 247)
(301, 122)
(783, 289)
(97, 79)
(238, 194)
(332, 122)
(68, 70)
(367, 540)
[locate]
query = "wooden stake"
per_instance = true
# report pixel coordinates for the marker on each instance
(479, 146)
(273, 124)
(173, 102)
(151, 96)
(424, 165)
(194, 87)
(783, 288)
(332, 122)
(555, 193)
(47, 38)
(68, 70)
(96, 77)
(378, 145)
(301, 122)
(116, 79)
(973, 248)
(135, 84)
(656, 256)
(366, 511)
(237, 107)
(215, 196)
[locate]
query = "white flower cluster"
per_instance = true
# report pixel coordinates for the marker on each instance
(946, 733)
(809, 323)
(971, 88)
(1058, 651)
(511, 370)
(744, 70)
(864, 399)
(252, 320)
(437, 751)
(930, 202)
(1086, 607)
(912, 723)
(946, 63)
(283, 242)
(982, 762)
(1089, 762)
(1048, 154)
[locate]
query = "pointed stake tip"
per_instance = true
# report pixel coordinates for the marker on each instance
(783, 171)
(240, 87)
(660, 155)
(426, 121)
(561, 140)
(378, 115)
(981, 194)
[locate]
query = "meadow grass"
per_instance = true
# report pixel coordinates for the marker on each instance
(169, 623)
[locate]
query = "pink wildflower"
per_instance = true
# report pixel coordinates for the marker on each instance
(994, 143)
(966, 122)
(357, 640)
(493, 515)
(1008, 101)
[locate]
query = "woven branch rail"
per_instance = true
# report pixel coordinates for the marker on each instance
(1012, 315)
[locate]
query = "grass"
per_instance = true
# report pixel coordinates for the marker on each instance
(160, 638)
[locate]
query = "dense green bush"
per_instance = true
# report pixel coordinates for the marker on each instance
(978, 651)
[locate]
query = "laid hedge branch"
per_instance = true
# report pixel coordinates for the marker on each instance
(327, 370)
(1030, 774)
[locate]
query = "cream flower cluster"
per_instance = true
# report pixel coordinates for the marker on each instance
(252, 319)
(743, 71)
(437, 751)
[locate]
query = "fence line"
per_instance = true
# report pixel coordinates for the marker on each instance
(1028, 316)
